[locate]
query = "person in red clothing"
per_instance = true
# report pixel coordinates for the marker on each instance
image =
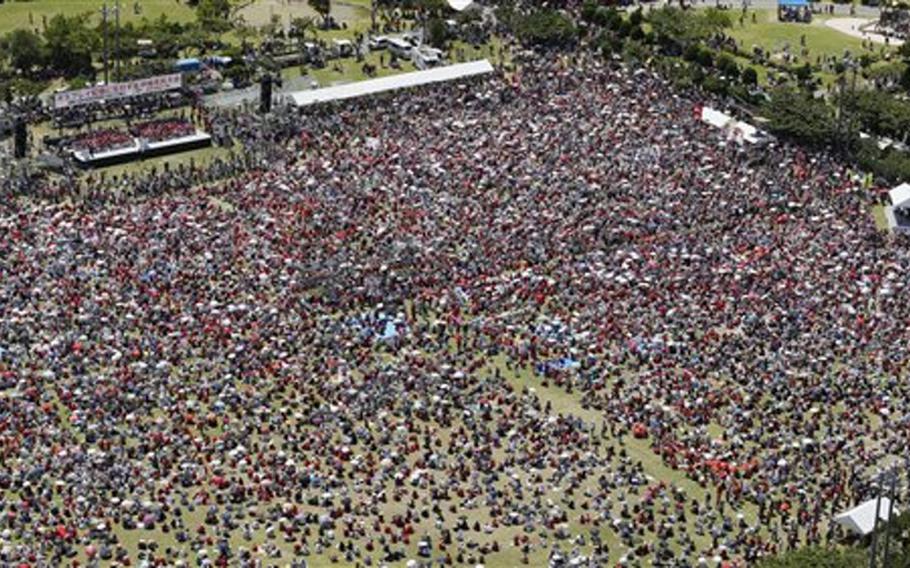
(295, 360)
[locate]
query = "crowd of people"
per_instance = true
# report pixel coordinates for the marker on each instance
(102, 140)
(556, 320)
(164, 129)
(127, 108)
(109, 139)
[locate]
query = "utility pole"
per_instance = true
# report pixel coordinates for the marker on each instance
(853, 66)
(104, 37)
(373, 16)
(117, 37)
(891, 490)
(840, 112)
(878, 510)
(845, 122)
(889, 477)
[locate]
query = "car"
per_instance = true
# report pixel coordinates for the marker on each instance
(377, 43)
(343, 47)
(412, 38)
(425, 57)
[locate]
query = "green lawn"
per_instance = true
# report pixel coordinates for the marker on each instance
(354, 13)
(15, 15)
(351, 70)
(772, 35)
(878, 213)
(196, 157)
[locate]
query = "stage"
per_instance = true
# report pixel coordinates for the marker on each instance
(141, 150)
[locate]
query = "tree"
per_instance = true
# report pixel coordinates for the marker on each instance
(545, 28)
(750, 76)
(71, 45)
(589, 11)
(273, 28)
(437, 32)
(712, 21)
(215, 15)
(300, 27)
(166, 35)
(431, 6)
(677, 29)
(26, 50)
(803, 72)
(245, 32)
(323, 8)
(727, 66)
(196, 37)
(796, 115)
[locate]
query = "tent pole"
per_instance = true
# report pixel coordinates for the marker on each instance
(878, 508)
(891, 488)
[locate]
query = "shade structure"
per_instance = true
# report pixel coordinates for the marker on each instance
(861, 519)
(460, 5)
(900, 196)
(392, 83)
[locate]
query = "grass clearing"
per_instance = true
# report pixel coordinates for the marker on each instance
(198, 157)
(29, 15)
(774, 36)
(878, 213)
(261, 12)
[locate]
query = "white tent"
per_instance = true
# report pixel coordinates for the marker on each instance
(460, 5)
(722, 120)
(392, 83)
(861, 519)
(900, 196)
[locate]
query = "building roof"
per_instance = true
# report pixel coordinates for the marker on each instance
(393, 83)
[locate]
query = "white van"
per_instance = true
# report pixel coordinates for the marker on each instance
(399, 47)
(343, 47)
(425, 57)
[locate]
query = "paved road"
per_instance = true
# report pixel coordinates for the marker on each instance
(251, 94)
(853, 27)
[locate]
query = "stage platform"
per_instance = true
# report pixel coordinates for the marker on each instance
(141, 150)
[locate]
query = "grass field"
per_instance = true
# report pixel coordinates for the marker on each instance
(354, 13)
(15, 15)
(878, 213)
(774, 36)
(562, 403)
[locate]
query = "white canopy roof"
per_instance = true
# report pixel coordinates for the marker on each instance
(460, 5)
(392, 83)
(720, 119)
(900, 196)
(861, 519)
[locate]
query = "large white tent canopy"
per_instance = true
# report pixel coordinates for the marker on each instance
(392, 83)
(722, 120)
(900, 196)
(861, 519)
(460, 5)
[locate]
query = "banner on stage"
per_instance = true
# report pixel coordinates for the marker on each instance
(157, 84)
